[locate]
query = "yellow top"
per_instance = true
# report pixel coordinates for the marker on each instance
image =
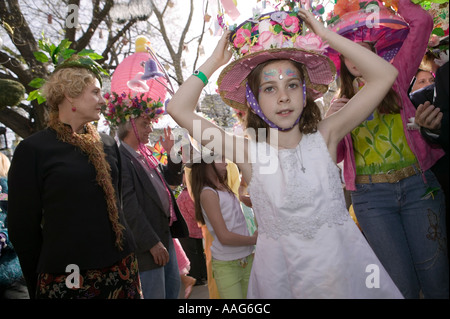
(380, 145)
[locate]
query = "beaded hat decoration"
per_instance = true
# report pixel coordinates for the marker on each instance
(277, 35)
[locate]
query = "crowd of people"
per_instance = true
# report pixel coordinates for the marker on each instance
(77, 199)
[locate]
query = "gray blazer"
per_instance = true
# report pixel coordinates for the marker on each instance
(143, 209)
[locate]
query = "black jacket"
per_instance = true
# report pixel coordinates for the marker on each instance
(57, 212)
(144, 211)
(442, 101)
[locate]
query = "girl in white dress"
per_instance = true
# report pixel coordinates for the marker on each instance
(307, 246)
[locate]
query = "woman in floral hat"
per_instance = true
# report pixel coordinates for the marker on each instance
(307, 246)
(387, 158)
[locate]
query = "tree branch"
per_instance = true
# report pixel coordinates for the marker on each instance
(201, 39)
(114, 39)
(97, 17)
(16, 122)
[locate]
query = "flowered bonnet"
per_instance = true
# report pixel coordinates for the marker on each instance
(278, 35)
(123, 107)
(369, 21)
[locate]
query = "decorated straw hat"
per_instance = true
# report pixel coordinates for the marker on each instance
(369, 21)
(274, 36)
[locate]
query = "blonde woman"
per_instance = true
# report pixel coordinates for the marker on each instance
(65, 217)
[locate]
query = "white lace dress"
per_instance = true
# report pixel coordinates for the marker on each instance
(308, 246)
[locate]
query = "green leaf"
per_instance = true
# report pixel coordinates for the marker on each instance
(438, 31)
(41, 99)
(384, 138)
(52, 48)
(278, 28)
(33, 95)
(65, 44)
(91, 54)
(375, 129)
(41, 56)
(247, 26)
(37, 83)
(366, 152)
(86, 61)
(67, 53)
(36, 95)
(44, 45)
(388, 153)
(369, 141)
(333, 20)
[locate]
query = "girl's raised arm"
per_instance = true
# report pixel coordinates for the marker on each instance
(182, 106)
(378, 74)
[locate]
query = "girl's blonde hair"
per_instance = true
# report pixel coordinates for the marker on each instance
(70, 81)
(311, 115)
(4, 165)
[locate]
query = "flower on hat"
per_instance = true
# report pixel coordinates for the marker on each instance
(343, 6)
(274, 30)
(278, 16)
(242, 38)
(291, 24)
(311, 42)
(268, 40)
(122, 107)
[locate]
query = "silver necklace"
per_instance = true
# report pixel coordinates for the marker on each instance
(301, 159)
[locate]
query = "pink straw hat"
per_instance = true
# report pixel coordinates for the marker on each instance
(373, 23)
(274, 36)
